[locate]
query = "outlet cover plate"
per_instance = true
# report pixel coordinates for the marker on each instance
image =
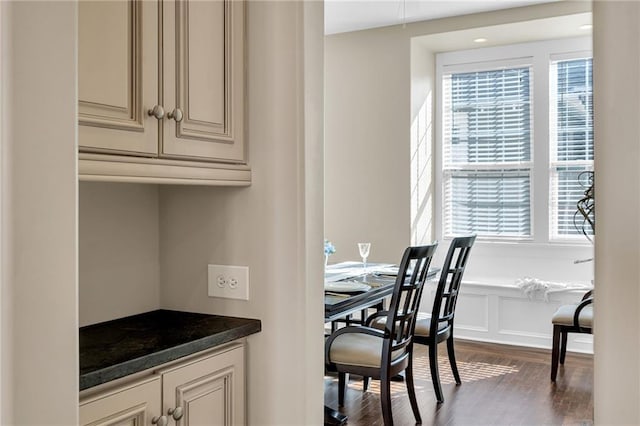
(230, 282)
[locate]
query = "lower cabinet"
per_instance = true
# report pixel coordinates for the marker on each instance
(135, 404)
(208, 391)
(204, 390)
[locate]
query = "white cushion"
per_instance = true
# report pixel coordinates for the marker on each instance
(564, 316)
(358, 349)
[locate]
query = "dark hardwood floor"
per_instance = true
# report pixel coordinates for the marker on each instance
(501, 385)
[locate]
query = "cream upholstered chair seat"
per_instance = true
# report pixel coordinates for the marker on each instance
(574, 318)
(423, 324)
(564, 316)
(359, 349)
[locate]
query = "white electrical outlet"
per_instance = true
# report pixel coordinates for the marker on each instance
(231, 282)
(221, 281)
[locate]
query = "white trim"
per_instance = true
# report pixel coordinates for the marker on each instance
(3, 195)
(525, 61)
(102, 167)
(494, 317)
(567, 56)
(538, 252)
(538, 54)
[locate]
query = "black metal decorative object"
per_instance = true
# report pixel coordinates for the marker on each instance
(584, 219)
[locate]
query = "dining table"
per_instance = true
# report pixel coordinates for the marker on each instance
(352, 287)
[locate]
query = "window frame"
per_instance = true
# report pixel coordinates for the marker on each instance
(587, 164)
(513, 166)
(539, 54)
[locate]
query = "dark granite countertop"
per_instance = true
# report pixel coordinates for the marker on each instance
(124, 346)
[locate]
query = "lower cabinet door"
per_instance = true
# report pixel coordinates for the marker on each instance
(137, 405)
(208, 391)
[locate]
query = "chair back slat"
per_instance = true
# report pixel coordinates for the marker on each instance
(405, 300)
(444, 304)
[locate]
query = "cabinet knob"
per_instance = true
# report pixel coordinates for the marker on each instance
(176, 413)
(176, 115)
(157, 111)
(160, 421)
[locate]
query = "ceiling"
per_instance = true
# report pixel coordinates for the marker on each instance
(512, 33)
(352, 15)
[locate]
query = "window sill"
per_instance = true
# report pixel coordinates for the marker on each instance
(502, 283)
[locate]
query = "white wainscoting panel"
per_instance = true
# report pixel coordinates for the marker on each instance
(473, 312)
(503, 314)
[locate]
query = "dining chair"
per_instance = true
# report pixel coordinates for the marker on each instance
(386, 352)
(574, 318)
(438, 327)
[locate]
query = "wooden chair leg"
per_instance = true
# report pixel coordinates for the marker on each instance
(435, 377)
(555, 352)
(452, 360)
(563, 346)
(342, 386)
(365, 384)
(385, 400)
(412, 391)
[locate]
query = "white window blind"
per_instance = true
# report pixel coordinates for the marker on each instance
(571, 141)
(487, 152)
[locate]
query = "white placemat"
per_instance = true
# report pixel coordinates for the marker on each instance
(346, 286)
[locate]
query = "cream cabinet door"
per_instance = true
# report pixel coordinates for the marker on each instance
(203, 80)
(135, 405)
(209, 391)
(118, 76)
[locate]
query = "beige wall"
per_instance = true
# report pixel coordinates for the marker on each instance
(311, 228)
(144, 246)
(366, 138)
(119, 251)
(616, 41)
(422, 131)
(274, 226)
(39, 220)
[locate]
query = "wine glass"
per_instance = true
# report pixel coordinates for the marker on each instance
(364, 253)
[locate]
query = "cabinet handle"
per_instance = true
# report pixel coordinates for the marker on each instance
(176, 115)
(157, 112)
(160, 421)
(177, 413)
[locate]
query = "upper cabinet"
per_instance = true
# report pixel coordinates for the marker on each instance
(203, 84)
(118, 59)
(161, 91)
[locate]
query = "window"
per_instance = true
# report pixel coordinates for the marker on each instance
(487, 152)
(515, 141)
(571, 139)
